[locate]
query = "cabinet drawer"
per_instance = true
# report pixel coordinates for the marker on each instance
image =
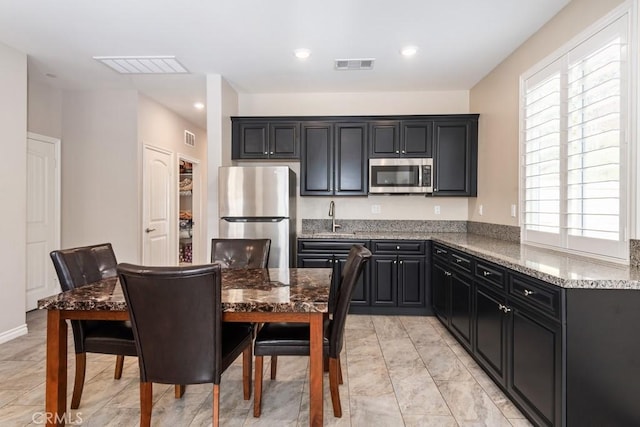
(537, 294)
(490, 274)
(398, 247)
(461, 261)
(440, 251)
(328, 246)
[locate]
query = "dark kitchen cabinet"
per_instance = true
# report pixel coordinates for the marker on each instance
(455, 153)
(452, 291)
(394, 282)
(324, 253)
(416, 138)
(384, 138)
(510, 323)
(535, 359)
(406, 138)
(333, 159)
(491, 332)
(398, 274)
(265, 139)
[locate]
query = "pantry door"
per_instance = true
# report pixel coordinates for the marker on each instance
(43, 216)
(158, 188)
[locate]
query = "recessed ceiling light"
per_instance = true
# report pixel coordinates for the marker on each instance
(409, 50)
(302, 53)
(199, 105)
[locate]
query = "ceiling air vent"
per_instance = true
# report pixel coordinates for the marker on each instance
(143, 64)
(355, 64)
(189, 138)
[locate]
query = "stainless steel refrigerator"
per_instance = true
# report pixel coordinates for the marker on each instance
(260, 202)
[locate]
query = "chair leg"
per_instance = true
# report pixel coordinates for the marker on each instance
(146, 402)
(339, 372)
(216, 405)
(78, 384)
(274, 366)
(257, 394)
(334, 366)
(119, 365)
(179, 390)
(247, 361)
(325, 363)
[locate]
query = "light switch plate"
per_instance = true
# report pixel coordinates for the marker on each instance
(436, 209)
(513, 211)
(481, 209)
(375, 209)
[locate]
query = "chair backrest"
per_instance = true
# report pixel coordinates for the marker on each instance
(240, 253)
(176, 314)
(77, 267)
(356, 260)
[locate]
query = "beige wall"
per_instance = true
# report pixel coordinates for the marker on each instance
(378, 103)
(13, 189)
(45, 109)
(496, 98)
(100, 164)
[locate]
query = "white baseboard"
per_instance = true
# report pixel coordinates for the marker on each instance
(13, 333)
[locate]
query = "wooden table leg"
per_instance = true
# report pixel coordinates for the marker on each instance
(315, 369)
(56, 385)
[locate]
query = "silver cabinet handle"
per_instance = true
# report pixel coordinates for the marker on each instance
(271, 152)
(397, 247)
(403, 151)
(266, 152)
(527, 292)
(397, 152)
(401, 262)
(504, 308)
(458, 260)
(446, 273)
(486, 273)
(149, 230)
(395, 261)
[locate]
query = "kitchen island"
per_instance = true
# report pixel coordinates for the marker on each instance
(556, 332)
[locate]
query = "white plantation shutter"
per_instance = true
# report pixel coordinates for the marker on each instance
(574, 125)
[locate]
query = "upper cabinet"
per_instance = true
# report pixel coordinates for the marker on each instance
(334, 150)
(333, 159)
(455, 154)
(406, 138)
(265, 139)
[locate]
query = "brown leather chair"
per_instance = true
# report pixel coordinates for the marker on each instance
(292, 339)
(176, 314)
(79, 267)
(240, 253)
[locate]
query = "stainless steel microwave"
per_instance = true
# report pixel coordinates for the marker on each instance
(400, 175)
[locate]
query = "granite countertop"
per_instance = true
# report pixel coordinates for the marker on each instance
(567, 271)
(243, 290)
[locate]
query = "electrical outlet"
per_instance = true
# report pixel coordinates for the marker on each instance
(375, 209)
(513, 211)
(480, 209)
(436, 209)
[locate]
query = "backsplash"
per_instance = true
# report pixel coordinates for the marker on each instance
(509, 233)
(352, 225)
(634, 252)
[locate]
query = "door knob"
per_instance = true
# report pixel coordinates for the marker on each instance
(149, 230)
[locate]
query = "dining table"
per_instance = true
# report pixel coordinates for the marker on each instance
(248, 295)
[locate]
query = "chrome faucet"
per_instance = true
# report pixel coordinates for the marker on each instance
(332, 214)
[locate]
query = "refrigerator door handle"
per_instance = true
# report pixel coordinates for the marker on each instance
(256, 219)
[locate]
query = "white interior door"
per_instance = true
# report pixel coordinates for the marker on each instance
(43, 217)
(158, 189)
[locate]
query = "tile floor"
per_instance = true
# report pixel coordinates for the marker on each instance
(398, 371)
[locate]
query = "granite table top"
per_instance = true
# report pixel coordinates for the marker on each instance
(564, 270)
(244, 290)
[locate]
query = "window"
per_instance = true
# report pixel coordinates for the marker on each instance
(574, 126)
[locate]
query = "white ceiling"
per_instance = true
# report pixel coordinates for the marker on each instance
(251, 42)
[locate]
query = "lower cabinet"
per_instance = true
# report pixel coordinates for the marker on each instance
(322, 253)
(511, 324)
(396, 280)
(535, 355)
